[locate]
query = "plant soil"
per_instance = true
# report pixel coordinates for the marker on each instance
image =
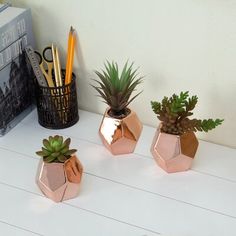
(120, 114)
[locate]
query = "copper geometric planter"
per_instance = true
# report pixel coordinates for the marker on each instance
(60, 181)
(120, 136)
(174, 153)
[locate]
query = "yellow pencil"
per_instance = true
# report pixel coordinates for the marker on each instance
(70, 56)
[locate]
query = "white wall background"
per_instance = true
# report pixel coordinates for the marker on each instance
(179, 45)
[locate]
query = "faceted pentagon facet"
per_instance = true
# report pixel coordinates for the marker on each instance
(189, 144)
(60, 181)
(174, 153)
(167, 146)
(120, 136)
(52, 171)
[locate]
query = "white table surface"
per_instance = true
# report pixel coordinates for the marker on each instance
(126, 195)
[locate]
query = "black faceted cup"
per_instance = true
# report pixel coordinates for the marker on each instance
(57, 106)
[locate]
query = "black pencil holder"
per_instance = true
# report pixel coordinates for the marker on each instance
(57, 106)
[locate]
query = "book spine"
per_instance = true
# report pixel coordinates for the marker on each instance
(4, 6)
(15, 29)
(16, 82)
(12, 52)
(14, 36)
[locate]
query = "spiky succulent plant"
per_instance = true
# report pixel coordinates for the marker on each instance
(173, 112)
(116, 89)
(55, 150)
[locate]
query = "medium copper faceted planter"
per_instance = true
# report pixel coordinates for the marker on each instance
(120, 136)
(174, 153)
(60, 181)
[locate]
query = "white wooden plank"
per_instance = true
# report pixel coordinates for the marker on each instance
(216, 160)
(14, 230)
(152, 212)
(31, 117)
(190, 187)
(121, 202)
(144, 144)
(210, 158)
(86, 128)
(28, 210)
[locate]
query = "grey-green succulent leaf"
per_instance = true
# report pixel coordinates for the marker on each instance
(70, 152)
(55, 150)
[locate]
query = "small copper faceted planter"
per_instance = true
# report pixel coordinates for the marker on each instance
(120, 136)
(60, 181)
(174, 153)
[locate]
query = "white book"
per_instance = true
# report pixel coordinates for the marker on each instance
(16, 83)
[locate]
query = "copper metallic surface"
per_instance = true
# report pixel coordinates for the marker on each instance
(60, 181)
(174, 153)
(120, 136)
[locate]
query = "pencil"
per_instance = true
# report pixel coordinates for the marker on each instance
(55, 65)
(70, 56)
(58, 67)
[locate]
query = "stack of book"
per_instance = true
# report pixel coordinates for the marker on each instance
(16, 77)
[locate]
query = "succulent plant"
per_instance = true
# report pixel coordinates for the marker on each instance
(116, 89)
(55, 150)
(173, 112)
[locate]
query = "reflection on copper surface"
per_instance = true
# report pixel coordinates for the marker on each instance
(60, 181)
(73, 169)
(174, 153)
(120, 136)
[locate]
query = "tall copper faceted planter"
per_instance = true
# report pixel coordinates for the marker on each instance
(174, 153)
(120, 136)
(60, 181)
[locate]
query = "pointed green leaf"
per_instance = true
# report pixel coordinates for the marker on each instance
(45, 151)
(64, 150)
(70, 152)
(49, 159)
(55, 154)
(66, 143)
(40, 153)
(47, 145)
(62, 158)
